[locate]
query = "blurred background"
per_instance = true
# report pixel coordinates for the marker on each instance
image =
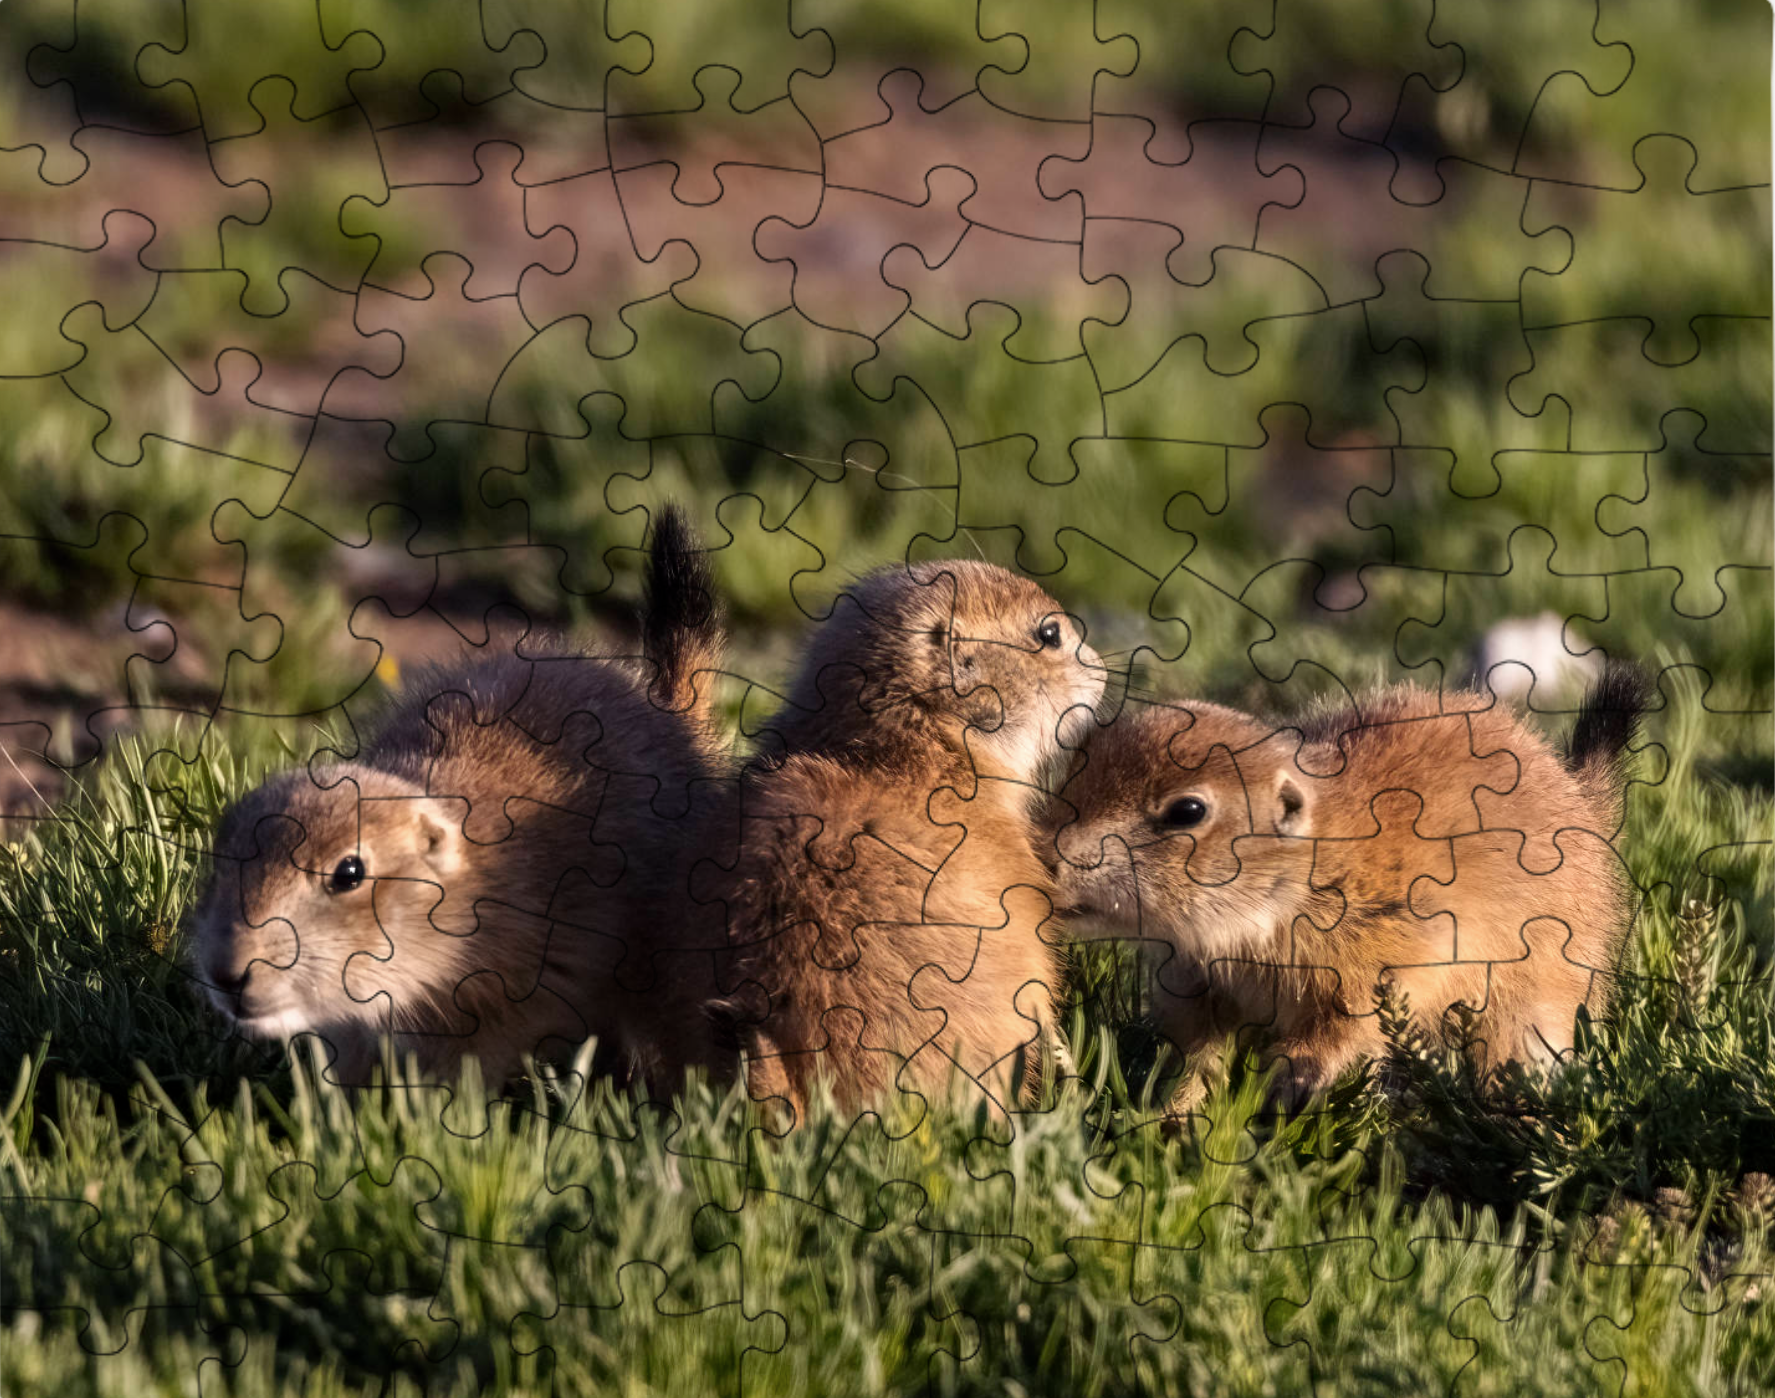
(1292, 347)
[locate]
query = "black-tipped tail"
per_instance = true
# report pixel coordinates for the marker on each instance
(682, 631)
(1607, 723)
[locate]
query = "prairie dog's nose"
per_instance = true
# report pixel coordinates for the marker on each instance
(231, 967)
(243, 961)
(245, 987)
(228, 981)
(1079, 846)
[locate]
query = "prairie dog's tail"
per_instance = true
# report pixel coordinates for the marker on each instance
(682, 631)
(1607, 722)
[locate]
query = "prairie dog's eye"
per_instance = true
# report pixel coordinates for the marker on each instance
(1047, 635)
(1184, 812)
(347, 875)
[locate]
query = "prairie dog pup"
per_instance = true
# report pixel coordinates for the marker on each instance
(1279, 874)
(483, 878)
(886, 908)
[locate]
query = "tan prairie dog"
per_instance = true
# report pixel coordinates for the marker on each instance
(486, 876)
(887, 917)
(1279, 874)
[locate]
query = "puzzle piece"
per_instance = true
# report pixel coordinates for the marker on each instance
(332, 656)
(715, 133)
(730, 280)
(1319, 616)
(1293, 51)
(41, 114)
(781, 560)
(189, 550)
(1237, 514)
(579, 49)
(193, 313)
(1184, 399)
(562, 485)
(1162, 310)
(1657, 42)
(1742, 542)
(1479, 345)
(431, 384)
(1112, 562)
(1611, 257)
(96, 64)
(389, 89)
(838, 256)
(1639, 603)
(223, 419)
(848, 96)
(496, 205)
(1478, 597)
(999, 491)
(439, 148)
(899, 436)
(323, 172)
(768, 52)
(1064, 388)
(1001, 151)
(1492, 500)
(1053, 82)
(32, 273)
(1509, 74)
(1215, 185)
(1338, 165)
(101, 560)
(185, 194)
(608, 275)
(559, 355)
(1729, 347)
(1182, 56)
(1218, 631)
(1044, 279)
(223, 58)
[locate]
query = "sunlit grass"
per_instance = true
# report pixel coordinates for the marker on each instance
(578, 1236)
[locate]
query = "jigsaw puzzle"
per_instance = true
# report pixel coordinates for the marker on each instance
(793, 696)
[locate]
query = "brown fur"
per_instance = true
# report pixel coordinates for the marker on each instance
(1443, 847)
(886, 907)
(520, 823)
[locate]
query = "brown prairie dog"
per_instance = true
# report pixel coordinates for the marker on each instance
(1279, 874)
(483, 877)
(887, 915)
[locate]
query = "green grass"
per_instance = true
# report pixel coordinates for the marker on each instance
(605, 1249)
(175, 1200)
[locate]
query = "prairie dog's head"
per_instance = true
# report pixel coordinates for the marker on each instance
(961, 642)
(318, 916)
(1187, 824)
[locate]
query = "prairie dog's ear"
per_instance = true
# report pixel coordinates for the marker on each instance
(438, 838)
(1291, 812)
